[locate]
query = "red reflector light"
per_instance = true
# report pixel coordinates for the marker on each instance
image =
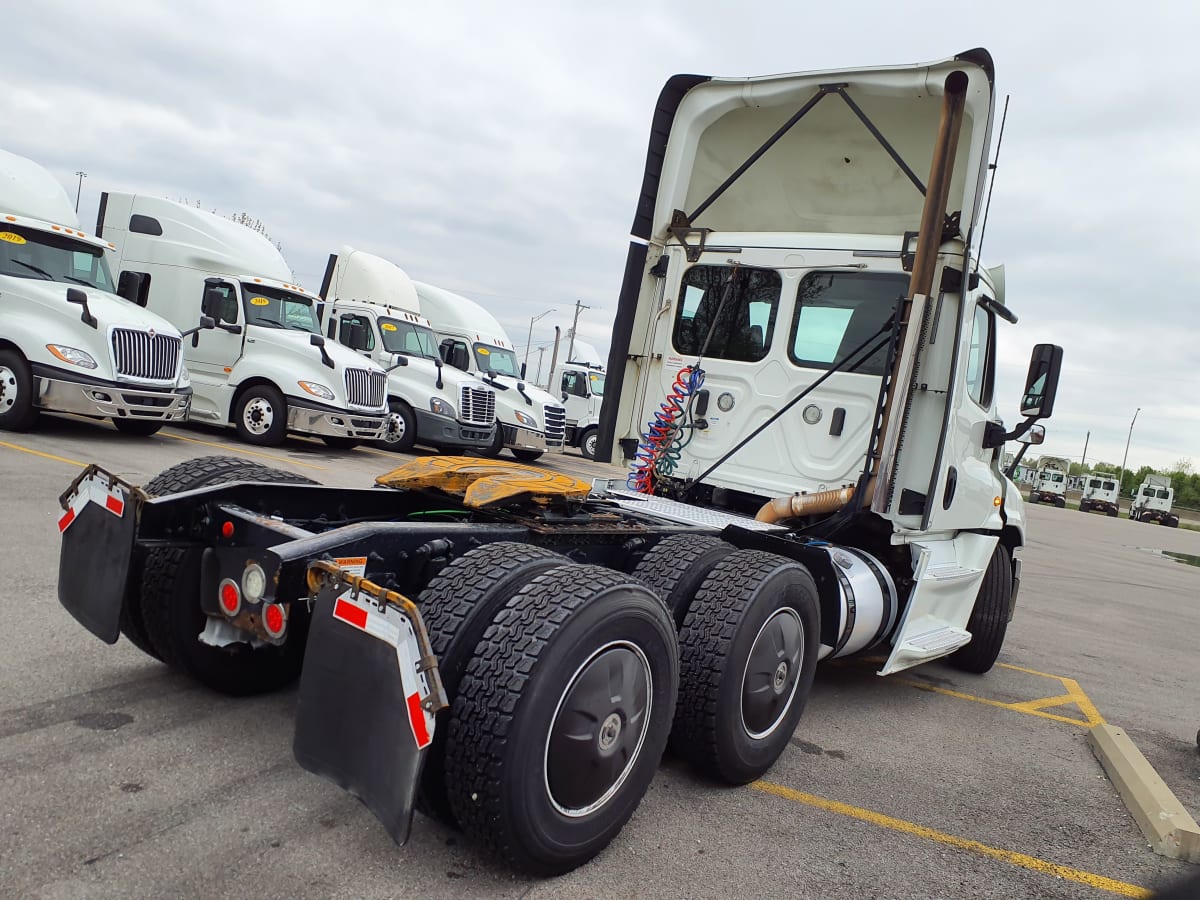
(231, 598)
(227, 530)
(274, 619)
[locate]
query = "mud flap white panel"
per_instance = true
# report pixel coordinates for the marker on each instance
(947, 577)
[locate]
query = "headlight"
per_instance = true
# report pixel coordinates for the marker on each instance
(527, 421)
(317, 390)
(72, 356)
(185, 377)
(441, 407)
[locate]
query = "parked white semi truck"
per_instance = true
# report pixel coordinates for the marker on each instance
(1152, 502)
(533, 642)
(371, 307)
(581, 387)
(71, 339)
(1050, 481)
(530, 421)
(265, 369)
(1100, 491)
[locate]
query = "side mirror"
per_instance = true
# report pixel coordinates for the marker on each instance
(319, 342)
(129, 286)
(1035, 435)
(75, 295)
(1041, 384)
(522, 370)
(399, 361)
(354, 335)
(206, 322)
(564, 396)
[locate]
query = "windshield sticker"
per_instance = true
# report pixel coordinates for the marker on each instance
(387, 326)
(11, 238)
(259, 301)
(484, 351)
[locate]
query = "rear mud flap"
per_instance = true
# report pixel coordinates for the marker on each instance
(98, 530)
(368, 697)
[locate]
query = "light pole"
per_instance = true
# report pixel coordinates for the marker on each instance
(529, 342)
(571, 346)
(1125, 458)
(79, 188)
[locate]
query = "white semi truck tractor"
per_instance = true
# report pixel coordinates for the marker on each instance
(1050, 481)
(803, 377)
(265, 369)
(1153, 500)
(581, 388)
(72, 338)
(1100, 492)
(371, 307)
(530, 421)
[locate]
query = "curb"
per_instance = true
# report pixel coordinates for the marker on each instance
(1168, 827)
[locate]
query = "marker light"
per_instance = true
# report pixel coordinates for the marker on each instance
(254, 582)
(274, 620)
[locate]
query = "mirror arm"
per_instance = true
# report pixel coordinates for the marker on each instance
(1012, 467)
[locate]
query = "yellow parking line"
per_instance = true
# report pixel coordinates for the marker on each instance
(1014, 707)
(1011, 857)
(61, 459)
(239, 450)
(1083, 702)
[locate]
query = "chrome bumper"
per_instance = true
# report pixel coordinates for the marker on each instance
(111, 401)
(339, 423)
(528, 439)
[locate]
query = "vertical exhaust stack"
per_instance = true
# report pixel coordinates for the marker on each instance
(929, 241)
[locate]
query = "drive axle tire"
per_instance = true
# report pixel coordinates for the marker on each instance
(1083, 506)
(562, 717)
(457, 607)
(676, 567)
(989, 617)
(748, 652)
(1112, 513)
(170, 597)
(260, 416)
(1060, 502)
(17, 412)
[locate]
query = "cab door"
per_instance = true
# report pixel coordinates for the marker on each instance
(212, 353)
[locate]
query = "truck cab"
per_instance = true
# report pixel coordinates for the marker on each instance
(1153, 500)
(782, 350)
(265, 369)
(1099, 491)
(1050, 482)
(72, 339)
(581, 386)
(370, 307)
(530, 421)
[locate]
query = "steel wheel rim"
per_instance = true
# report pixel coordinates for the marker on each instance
(258, 415)
(772, 673)
(8, 389)
(396, 430)
(589, 445)
(587, 736)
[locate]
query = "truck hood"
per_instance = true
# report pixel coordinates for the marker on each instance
(536, 394)
(298, 342)
(109, 309)
(827, 173)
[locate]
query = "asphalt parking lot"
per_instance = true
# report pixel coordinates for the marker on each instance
(121, 779)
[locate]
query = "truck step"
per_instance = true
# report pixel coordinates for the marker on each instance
(937, 642)
(677, 512)
(948, 572)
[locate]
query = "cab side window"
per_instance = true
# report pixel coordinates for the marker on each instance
(981, 359)
(355, 332)
(574, 384)
(220, 301)
(455, 353)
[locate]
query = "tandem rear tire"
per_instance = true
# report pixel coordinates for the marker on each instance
(676, 567)
(169, 613)
(989, 617)
(562, 717)
(747, 656)
(457, 607)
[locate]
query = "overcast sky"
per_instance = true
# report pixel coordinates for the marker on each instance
(497, 150)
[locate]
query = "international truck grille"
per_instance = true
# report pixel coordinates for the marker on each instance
(556, 423)
(144, 354)
(366, 388)
(478, 405)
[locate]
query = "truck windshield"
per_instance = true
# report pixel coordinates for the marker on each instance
(597, 381)
(407, 338)
(277, 308)
(30, 253)
(497, 360)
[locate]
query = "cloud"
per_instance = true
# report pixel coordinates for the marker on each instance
(498, 151)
